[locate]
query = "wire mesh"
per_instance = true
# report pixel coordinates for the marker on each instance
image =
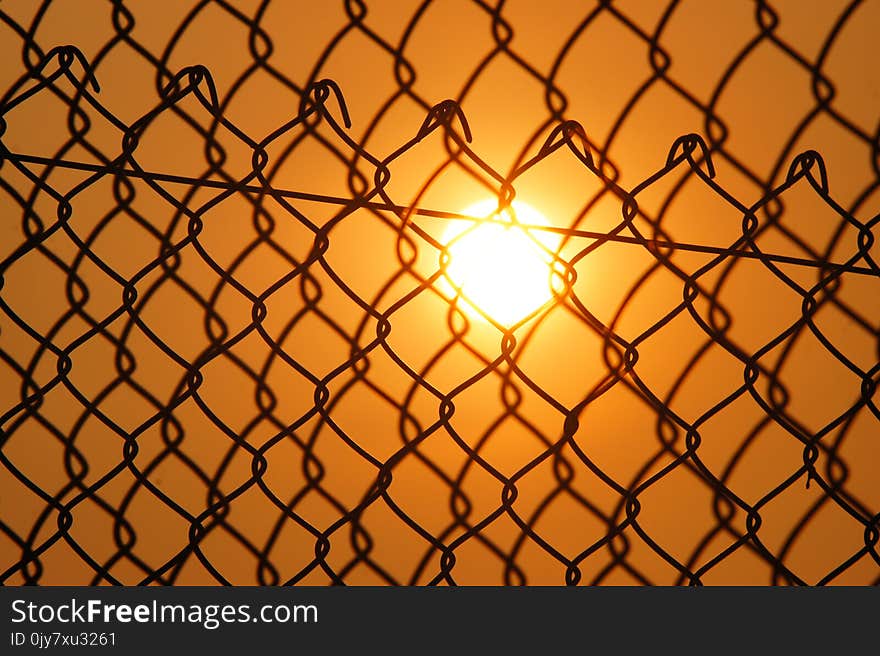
(229, 354)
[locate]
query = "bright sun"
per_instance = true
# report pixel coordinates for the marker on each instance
(503, 271)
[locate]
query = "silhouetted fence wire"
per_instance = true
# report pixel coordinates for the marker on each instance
(104, 316)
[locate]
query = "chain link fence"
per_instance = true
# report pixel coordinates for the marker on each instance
(231, 352)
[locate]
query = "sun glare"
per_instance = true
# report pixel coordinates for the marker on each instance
(500, 269)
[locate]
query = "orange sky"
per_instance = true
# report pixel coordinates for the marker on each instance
(757, 101)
